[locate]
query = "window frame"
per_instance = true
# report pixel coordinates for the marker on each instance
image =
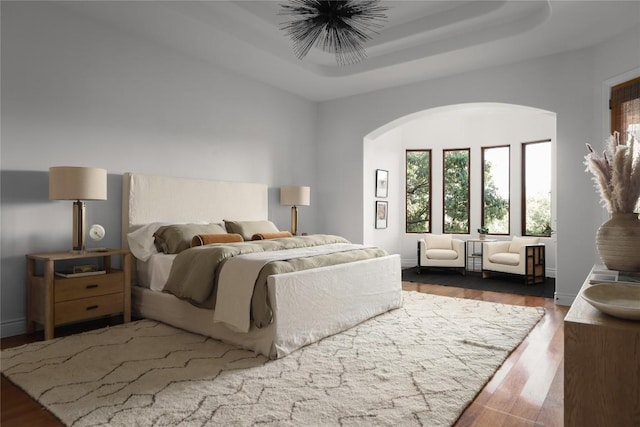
(523, 187)
(444, 184)
(430, 191)
(482, 188)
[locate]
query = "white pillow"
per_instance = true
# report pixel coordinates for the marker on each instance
(518, 242)
(141, 241)
(438, 241)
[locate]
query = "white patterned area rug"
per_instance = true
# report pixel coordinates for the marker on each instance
(421, 364)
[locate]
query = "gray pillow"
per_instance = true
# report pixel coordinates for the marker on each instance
(175, 238)
(248, 228)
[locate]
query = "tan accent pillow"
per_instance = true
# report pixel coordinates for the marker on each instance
(248, 228)
(175, 238)
(266, 236)
(207, 239)
(518, 242)
(437, 241)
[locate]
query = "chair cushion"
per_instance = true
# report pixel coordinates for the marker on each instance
(442, 254)
(506, 258)
(437, 241)
(518, 242)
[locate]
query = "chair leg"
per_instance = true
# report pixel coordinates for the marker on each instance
(485, 274)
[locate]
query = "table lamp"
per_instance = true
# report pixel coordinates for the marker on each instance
(295, 196)
(77, 184)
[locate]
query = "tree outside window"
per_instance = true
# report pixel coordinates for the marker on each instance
(418, 187)
(536, 188)
(456, 191)
(495, 193)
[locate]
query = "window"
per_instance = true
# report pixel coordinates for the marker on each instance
(536, 188)
(418, 169)
(625, 109)
(495, 189)
(455, 195)
(625, 112)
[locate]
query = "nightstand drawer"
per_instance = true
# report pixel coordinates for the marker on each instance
(88, 286)
(86, 308)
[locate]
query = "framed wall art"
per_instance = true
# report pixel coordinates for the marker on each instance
(382, 183)
(382, 212)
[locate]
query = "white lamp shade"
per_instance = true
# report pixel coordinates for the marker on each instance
(295, 196)
(77, 183)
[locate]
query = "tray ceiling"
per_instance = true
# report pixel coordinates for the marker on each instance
(420, 40)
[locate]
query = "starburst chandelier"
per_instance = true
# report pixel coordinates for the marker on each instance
(339, 27)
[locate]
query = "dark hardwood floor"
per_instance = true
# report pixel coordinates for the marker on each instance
(527, 390)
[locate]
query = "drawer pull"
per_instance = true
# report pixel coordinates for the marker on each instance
(91, 286)
(92, 307)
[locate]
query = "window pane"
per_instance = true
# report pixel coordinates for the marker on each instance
(418, 191)
(456, 191)
(536, 188)
(495, 194)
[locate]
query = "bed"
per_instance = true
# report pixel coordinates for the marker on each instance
(307, 305)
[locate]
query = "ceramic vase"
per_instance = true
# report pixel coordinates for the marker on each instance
(618, 242)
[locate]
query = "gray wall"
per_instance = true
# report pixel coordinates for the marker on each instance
(77, 92)
(570, 85)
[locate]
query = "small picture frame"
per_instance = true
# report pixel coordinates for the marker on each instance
(382, 212)
(382, 183)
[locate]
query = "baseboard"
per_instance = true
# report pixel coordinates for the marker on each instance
(564, 299)
(412, 262)
(13, 327)
(407, 263)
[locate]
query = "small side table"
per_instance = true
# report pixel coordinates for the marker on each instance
(53, 301)
(474, 253)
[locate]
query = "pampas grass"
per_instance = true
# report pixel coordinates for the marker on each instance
(616, 174)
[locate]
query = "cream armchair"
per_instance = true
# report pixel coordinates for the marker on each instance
(524, 256)
(441, 250)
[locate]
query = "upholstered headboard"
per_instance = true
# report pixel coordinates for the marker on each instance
(154, 198)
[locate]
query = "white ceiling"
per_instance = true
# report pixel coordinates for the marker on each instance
(420, 40)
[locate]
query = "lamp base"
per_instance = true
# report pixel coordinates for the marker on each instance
(78, 226)
(294, 220)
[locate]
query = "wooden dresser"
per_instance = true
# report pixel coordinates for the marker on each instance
(601, 368)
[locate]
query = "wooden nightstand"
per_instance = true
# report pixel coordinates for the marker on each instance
(53, 301)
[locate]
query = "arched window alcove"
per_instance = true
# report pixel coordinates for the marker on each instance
(472, 126)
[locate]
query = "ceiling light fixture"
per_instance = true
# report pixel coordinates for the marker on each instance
(339, 27)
